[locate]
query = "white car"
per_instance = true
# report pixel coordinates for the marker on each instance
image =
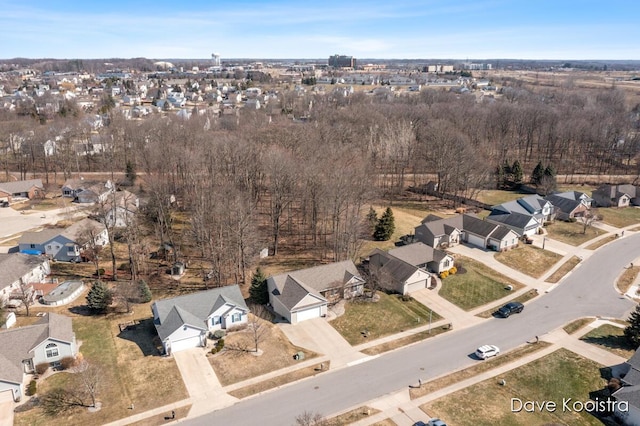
(487, 351)
(436, 422)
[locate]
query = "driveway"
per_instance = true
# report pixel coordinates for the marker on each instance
(6, 408)
(318, 335)
(201, 382)
(13, 222)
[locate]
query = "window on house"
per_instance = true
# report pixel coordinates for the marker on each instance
(215, 320)
(446, 263)
(51, 350)
(49, 247)
(236, 317)
(32, 246)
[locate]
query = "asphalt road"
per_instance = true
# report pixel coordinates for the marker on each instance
(588, 291)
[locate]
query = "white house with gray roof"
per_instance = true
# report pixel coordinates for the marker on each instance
(423, 256)
(183, 322)
(22, 349)
(19, 268)
(305, 294)
(65, 244)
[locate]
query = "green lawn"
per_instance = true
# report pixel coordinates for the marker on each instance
(498, 196)
(571, 233)
(561, 374)
(611, 338)
(620, 217)
(389, 315)
(475, 285)
(528, 259)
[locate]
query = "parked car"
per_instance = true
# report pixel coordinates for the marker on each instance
(510, 308)
(487, 351)
(419, 423)
(436, 422)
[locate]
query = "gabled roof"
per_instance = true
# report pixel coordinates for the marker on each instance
(293, 292)
(564, 204)
(16, 265)
(517, 220)
(391, 266)
(571, 195)
(39, 237)
(193, 309)
(525, 205)
(418, 254)
(16, 345)
(20, 186)
(477, 226)
(500, 232)
(78, 231)
(442, 226)
(320, 278)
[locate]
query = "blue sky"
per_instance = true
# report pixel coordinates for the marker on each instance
(461, 29)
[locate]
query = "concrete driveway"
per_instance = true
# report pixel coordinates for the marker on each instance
(201, 382)
(13, 222)
(319, 336)
(6, 408)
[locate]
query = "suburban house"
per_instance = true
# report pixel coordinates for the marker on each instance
(524, 215)
(83, 191)
(306, 293)
(393, 274)
(183, 322)
(440, 232)
(570, 204)
(424, 257)
(22, 189)
(22, 349)
(119, 208)
(630, 391)
(67, 244)
(20, 269)
(616, 196)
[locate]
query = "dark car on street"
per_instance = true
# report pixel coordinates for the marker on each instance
(510, 308)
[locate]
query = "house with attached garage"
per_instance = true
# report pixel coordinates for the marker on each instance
(119, 209)
(424, 257)
(306, 293)
(393, 274)
(18, 269)
(21, 349)
(183, 322)
(65, 245)
(570, 204)
(23, 189)
(466, 228)
(616, 196)
(83, 191)
(529, 214)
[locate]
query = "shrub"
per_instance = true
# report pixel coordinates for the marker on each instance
(572, 220)
(444, 274)
(32, 388)
(67, 362)
(453, 270)
(406, 298)
(219, 334)
(100, 272)
(218, 347)
(42, 368)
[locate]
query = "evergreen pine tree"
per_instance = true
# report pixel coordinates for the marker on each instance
(372, 219)
(130, 172)
(538, 172)
(499, 177)
(99, 297)
(517, 172)
(632, 332)
(258, 292)
(548, 171)
(144, 292)
(385, 227)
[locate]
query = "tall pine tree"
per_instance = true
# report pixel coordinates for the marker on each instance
(385, 227)
(538, 172)
(632, 332)
(517, 173)
(258, 292)
(99, 297)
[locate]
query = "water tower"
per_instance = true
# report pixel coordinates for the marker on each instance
(216, 59)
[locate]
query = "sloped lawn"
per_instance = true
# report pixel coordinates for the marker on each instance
(528, 259)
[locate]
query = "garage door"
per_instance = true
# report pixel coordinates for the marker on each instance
(180, 345)
(308, 314)
(475, 240)
(418, 285)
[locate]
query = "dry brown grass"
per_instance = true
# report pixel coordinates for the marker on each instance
(283, 379)
(159, 419)
(576, 325)
(404, 341)
(352, 416)
(385, 422)
(563, 270)
(627, 279)
(601, 242)
(233, 366)
(528, 259)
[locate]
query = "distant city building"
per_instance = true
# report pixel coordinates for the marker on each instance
(438, 68)
(216, 59)
(471, 66)
(342, 61)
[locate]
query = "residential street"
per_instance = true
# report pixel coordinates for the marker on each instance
(587, 291)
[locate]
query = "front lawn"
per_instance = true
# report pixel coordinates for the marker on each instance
(475, 284)
(561, 374)
(365, 320)
(528, 259)
(572, 232)
(620, 217)
(563, 270)
(132, 372)
(627, 278)
(611, 338)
